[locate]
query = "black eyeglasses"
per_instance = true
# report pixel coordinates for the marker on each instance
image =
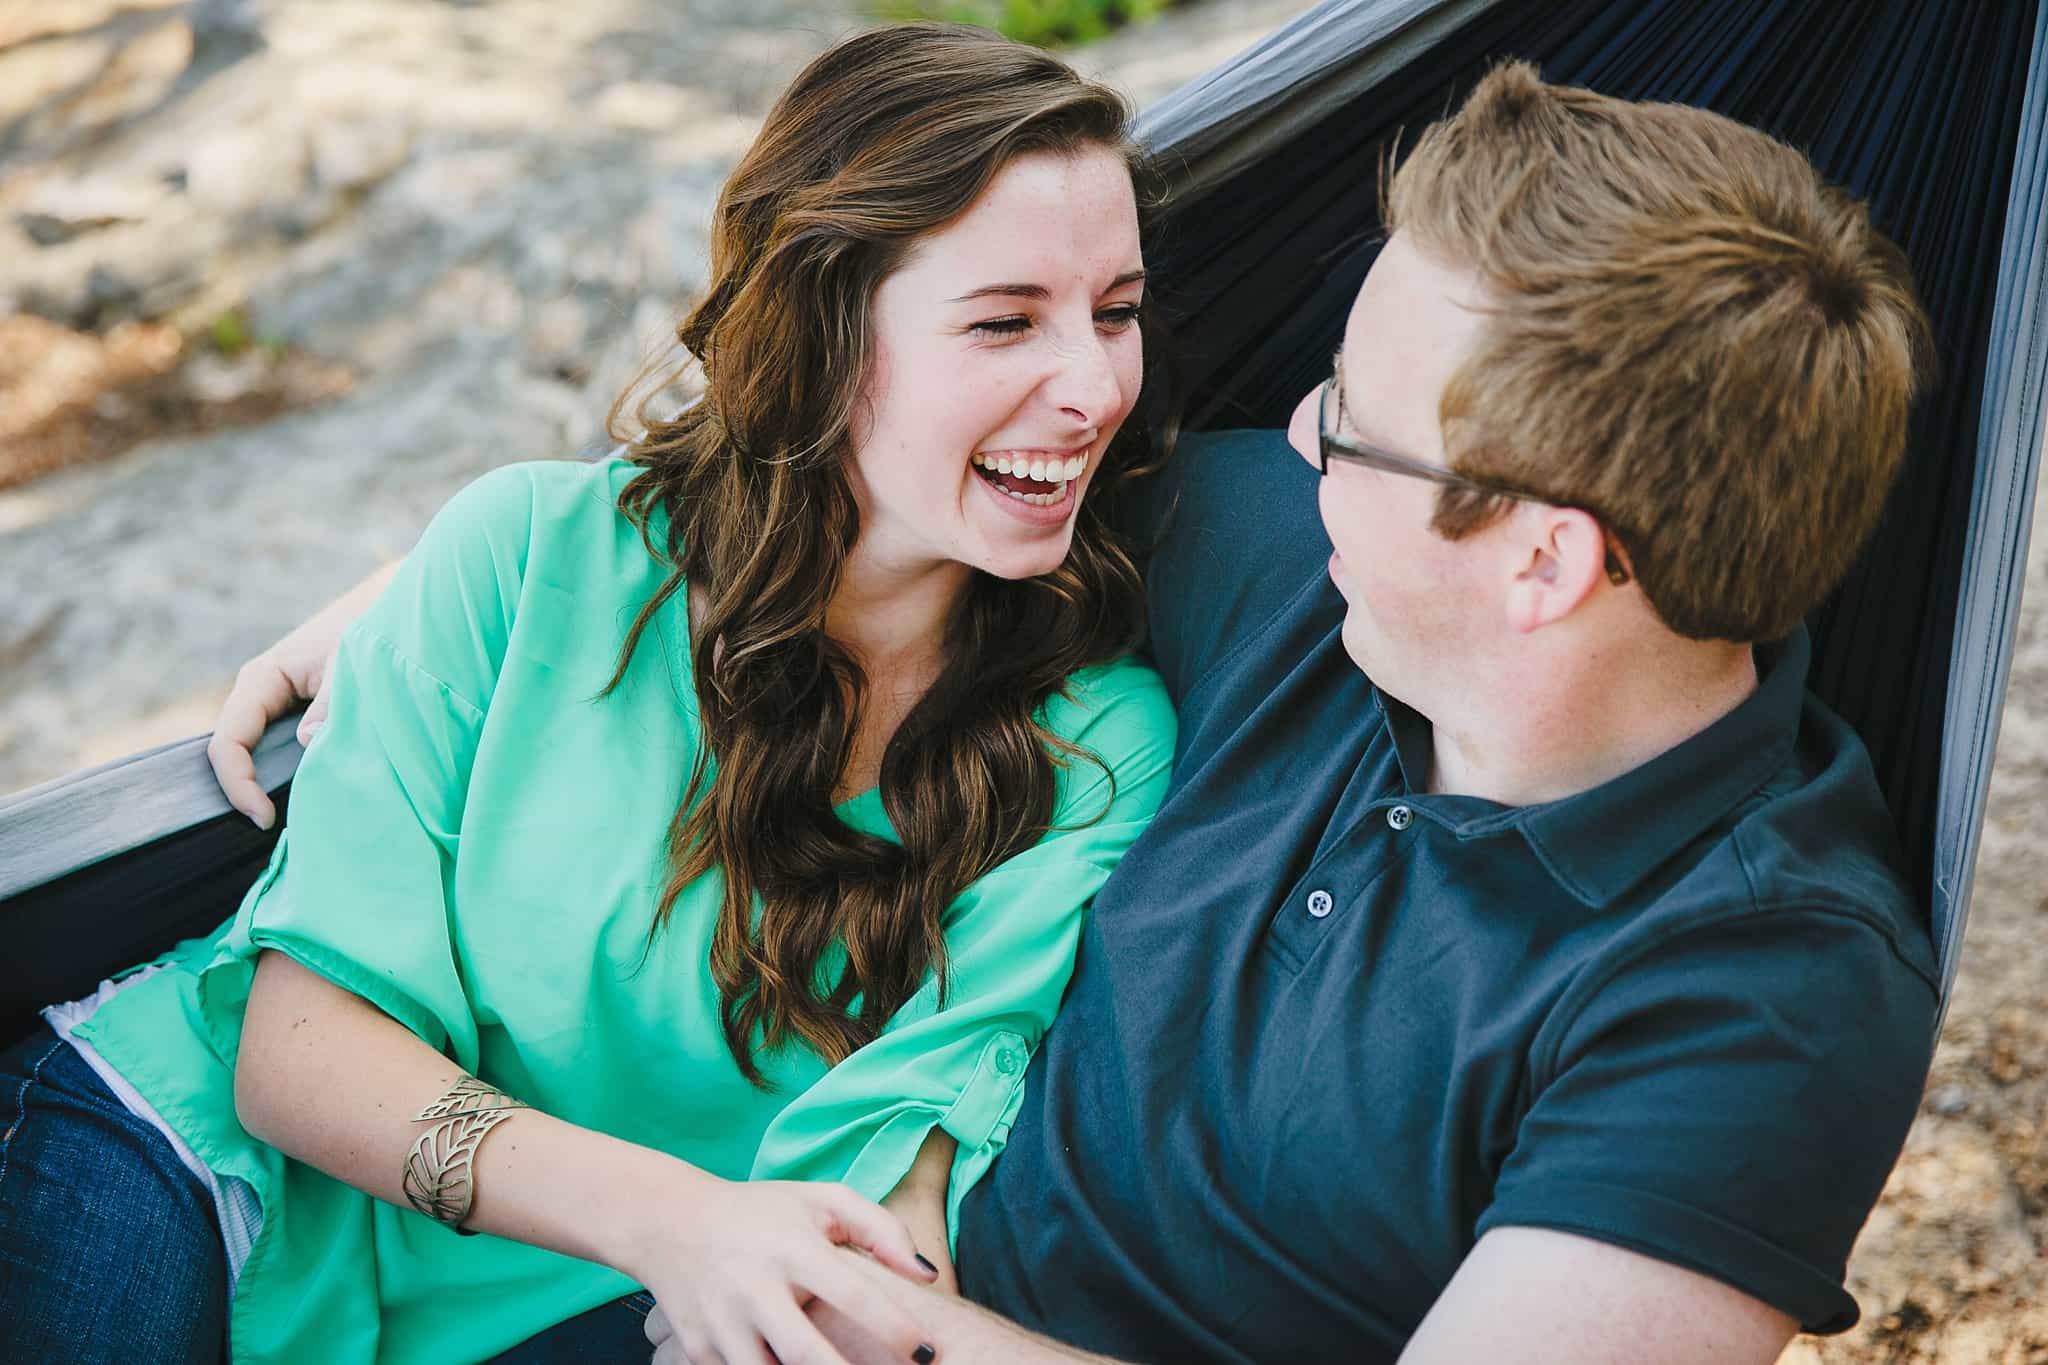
(1331, 446)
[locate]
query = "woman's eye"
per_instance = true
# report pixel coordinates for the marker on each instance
(1002, 327)
(1117, 319)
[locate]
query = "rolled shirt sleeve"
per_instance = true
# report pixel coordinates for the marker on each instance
(1010, 941)
(1706, 1105)
(359, 887)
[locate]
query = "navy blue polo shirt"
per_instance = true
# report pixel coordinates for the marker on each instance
(1326, 1029)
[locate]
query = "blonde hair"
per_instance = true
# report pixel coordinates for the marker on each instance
(1697, 340)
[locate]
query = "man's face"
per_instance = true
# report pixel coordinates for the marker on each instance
(1420, 607)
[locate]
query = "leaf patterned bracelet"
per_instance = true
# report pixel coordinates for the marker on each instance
(440, 1178)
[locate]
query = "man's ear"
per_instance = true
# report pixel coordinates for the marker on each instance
(1560, 561)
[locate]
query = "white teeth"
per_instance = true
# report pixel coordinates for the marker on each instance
(1058, 495)
(1058, 473)
(1043, 470)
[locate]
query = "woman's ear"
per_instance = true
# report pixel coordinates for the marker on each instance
(1559, 560)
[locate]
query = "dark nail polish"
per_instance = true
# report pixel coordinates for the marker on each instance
(923, 1262)
(924, 1355)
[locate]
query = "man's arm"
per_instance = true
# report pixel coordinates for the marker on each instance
(919, 1199)
(294, 669)
(1532, 1296)
(958, 1332)
(1525, 1296)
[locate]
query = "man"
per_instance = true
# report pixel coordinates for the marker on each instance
(1519, 969)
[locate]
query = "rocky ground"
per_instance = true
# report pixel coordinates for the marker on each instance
(276, 278)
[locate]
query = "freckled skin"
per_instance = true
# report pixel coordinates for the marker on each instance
(1064, 372)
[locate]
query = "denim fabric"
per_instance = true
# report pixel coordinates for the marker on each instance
(110, 1249)
(608, 1333)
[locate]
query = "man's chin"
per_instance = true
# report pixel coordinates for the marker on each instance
(1355, 645)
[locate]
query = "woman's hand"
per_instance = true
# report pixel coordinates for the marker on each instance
(293, 670)
(734, 1267)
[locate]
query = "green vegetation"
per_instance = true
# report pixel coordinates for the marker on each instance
(1045, 23)
(229, 333)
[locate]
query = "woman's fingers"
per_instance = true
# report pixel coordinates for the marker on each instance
(260, 695)
(835, 1277)
(877, 1231)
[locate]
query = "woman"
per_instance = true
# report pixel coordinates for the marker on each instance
(722, 811)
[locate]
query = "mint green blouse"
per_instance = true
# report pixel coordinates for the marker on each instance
(476, 846)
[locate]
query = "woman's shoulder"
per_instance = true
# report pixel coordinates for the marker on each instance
(512, 549)
(511, 505)
(532, 512)
(1123, 700)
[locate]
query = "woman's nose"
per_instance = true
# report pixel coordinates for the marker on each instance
(1086, 385)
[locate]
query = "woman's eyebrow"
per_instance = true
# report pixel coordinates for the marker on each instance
(1038, 291)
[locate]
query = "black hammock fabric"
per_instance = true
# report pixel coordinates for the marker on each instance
(1915, 107)
(1928, 110)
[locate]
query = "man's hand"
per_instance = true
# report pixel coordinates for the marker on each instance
(293, 670)
(959, 1332)
(1532, 1296)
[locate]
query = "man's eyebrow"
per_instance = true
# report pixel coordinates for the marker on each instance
(1039, 292)
(1347, 414)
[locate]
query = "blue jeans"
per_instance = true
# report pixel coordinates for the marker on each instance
(608, 1333)
(110, 1249)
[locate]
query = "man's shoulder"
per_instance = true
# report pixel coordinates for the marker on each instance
(1231, 536)
(1226, 479)
(1820, 838)
(1811, 857)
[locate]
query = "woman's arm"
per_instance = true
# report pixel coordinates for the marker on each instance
(327, 1078)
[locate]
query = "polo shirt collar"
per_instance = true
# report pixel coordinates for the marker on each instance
(1601, 842)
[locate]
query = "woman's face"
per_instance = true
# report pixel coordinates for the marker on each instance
(1007, 341)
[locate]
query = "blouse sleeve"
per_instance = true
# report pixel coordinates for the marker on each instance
(358, 886)
(1010, 941)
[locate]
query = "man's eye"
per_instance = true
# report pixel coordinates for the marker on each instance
(1117, 319)
(1002, 327)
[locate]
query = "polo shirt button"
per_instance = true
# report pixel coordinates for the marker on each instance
(1009, 1061)
(1400, 817)
(1320, 904)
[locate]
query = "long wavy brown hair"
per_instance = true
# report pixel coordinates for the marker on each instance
(884, 138)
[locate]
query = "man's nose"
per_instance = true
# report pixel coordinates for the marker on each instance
(1304, 428)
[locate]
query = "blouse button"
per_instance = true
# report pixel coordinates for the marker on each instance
(1399, 818)
(1320, 904)
(1009, 1061)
